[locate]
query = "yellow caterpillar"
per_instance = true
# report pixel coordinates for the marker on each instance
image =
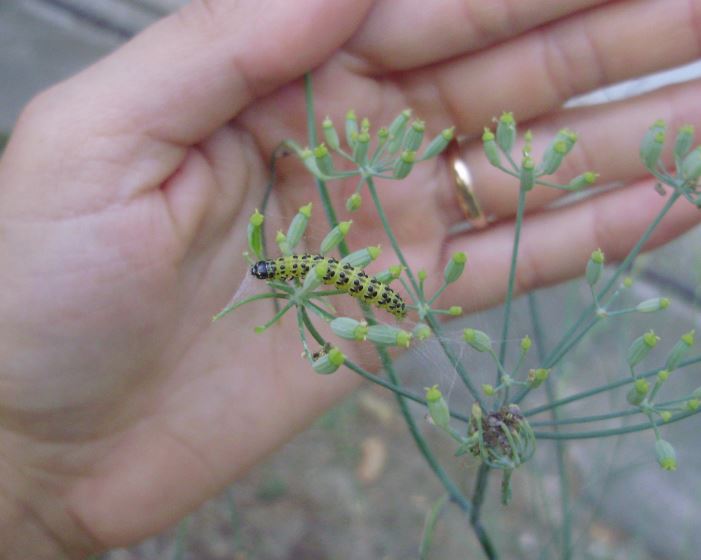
(347, 278)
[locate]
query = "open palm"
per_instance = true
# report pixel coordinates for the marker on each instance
(125, 193)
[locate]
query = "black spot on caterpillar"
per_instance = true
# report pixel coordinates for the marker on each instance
(349, 279)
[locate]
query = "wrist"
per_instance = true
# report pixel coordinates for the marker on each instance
(34, 523)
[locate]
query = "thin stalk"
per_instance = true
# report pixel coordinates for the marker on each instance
(306, 320)
(230, 308)
(560, 446)
(512, 280)
(320, 185)
(477, 501)
(392, 239)
(603, 388)
(180, 538)
(615, 431)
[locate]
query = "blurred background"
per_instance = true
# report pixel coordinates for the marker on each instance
(353, 486)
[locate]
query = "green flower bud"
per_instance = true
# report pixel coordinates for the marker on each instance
(679, 350)
(537, 376)
(684, 141)
(455, 311)
(281, 240)
(527, 173)
(389, 336)
(476, 412)
(665, 415)
(421, 275)
(666, 456)
(335, 236)
(437, 407)
(594, 267)
(526, 344)
(561, 145)
(349, 328)
(641, 348)
(353, 202)
(329, 362)
(691, 165)
(414, 136)
(652, 305)
(330, 134)
(255, 233)
(582, 181)
(310, 163)
(365, 125)
(506, 131)
(697, 393)
(323, 159)
(634, 398)
(351, 128)
(298, 226)
(478, 340)
(422, 331)
(488, 389)
(663, 375)
(491, 150)
(396, 131)
(360, 150)
(627, 282)
(651, 146)
(692, 405)
(389, 275)
(362, 257)
(439, 143)
(641, 386)
(454, 269)
(315, 277)
(404, 164)
(637, 393)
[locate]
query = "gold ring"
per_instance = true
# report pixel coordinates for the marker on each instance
(465, 189)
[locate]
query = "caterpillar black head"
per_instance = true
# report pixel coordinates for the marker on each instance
(263, 270)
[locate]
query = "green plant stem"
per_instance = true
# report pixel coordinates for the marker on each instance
(667, 405)
(430, 526)
(478, 496)
(615, 431)
(306, 320)
(512, 281)
(392, 239)
(560, 446)
(607, 387)
(320, 185)
(233, 306)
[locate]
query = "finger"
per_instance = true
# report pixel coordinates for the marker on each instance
(556, 244)
(608, 143)
(537, 72)
(196, 69)
(451, 27)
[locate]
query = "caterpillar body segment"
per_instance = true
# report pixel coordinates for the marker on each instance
(345, 277)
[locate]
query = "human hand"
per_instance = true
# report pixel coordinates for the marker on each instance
(124, 197)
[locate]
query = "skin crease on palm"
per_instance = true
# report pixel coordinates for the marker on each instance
(124, 198)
